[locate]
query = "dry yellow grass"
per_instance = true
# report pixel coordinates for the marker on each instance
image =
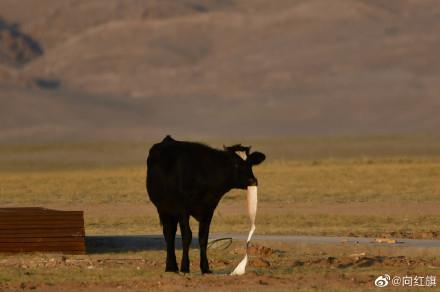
(363, 187)
(341, 195)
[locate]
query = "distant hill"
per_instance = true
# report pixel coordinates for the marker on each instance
(16, 48)
(224, 67)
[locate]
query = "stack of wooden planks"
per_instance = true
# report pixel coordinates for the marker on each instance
(41, 230)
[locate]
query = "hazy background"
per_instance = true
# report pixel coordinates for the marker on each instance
(72, 69)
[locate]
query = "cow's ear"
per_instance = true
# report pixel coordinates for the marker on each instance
(256, 158)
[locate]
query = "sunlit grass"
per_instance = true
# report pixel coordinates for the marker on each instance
(332, 225)
(351, 181)
(109, 175)
(322, 176)
(113, 185)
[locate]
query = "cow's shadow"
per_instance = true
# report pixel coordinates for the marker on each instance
(130, 243)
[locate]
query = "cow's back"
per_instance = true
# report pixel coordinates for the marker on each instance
(162, 175)
(179, 173)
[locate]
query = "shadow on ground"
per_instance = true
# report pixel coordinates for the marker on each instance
(126, 243)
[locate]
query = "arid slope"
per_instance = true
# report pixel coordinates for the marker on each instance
(239, 67)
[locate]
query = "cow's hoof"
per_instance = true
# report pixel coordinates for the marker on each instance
(184, 270)
(172, 269)
(207, 272)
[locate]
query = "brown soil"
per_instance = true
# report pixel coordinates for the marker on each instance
(269, 268)
(400, 234)
(360, 261)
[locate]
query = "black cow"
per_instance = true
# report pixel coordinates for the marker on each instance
(189, 179)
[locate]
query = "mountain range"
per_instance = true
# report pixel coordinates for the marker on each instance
(132, 68)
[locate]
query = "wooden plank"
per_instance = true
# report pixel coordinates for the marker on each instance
(25, 211)
(41, 239)
(48, 244)
(72, 233)
(47, 231)
(47, 237)
(43, 223)
(42, 235)
(42, 217)
(34, 209)
(41, 230)
(43, 249)
(4, 212)
(40, 225)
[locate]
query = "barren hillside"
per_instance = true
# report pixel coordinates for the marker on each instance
(225, 67)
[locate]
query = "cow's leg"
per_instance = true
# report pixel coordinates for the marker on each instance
(186, 242)
(204, 224)
(169, 232)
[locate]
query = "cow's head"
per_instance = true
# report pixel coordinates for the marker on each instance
(243, 160)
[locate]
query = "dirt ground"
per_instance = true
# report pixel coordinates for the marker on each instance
(272, 266)
(375, 195)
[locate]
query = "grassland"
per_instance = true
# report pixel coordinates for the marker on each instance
(371, 186)
(334, 186)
